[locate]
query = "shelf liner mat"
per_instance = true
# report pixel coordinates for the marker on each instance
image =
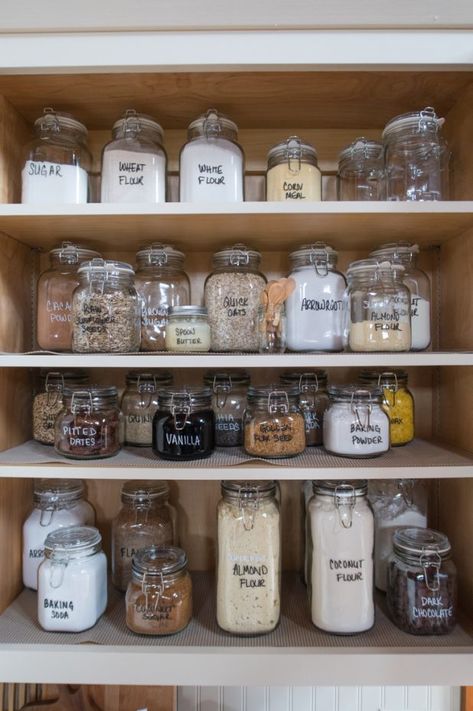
(18, 625)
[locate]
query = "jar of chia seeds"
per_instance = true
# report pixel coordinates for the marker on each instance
(398, 402)
(229, 390)
(139, 403)
(48, 401)
(184, 424)
(313, 401)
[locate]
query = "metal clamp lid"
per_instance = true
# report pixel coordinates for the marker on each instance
(248, 496)
(237, 255)
(69, 543)
(55, 121)
(161, 255)
(213, 124)
(132, 123)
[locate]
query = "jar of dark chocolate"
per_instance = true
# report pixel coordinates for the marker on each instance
(184, 424)
(422, 582)
(89, 426)
(313, 401)
(228, 401)
(139, 403)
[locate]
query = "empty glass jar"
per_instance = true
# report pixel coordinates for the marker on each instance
(139, 403)
(293, 172)
(229, 390)
(361, 171)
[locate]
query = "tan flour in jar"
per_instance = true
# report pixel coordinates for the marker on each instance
(284, 184)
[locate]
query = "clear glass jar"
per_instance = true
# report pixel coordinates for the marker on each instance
(355, 424)
(57, 162)
(145, 519)
(273, 421)
(229, 389)
(134, 162)
(57, 503)
(422, 582)
(106, 309)
(188, 329)
(341, 538)
(48, 402)
(139, 403)
(293, 172)
(398, 402)
(315, 309)
(184, 424)
(417, 157)
(418, 283)
(161, 283)
(232, 295)
(378, 313)
(159, 596)
(313, 401)
(249, 557)
(54, 296)
(90, 425)
(361, 171)
(272, 328)
(211, 163)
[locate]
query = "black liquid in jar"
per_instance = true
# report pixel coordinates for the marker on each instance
(196, 439)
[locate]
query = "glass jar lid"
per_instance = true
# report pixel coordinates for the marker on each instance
(143, 492)
(186, 311)
(389, 378)
(419, 122)
(355, 394)
(239, 255)
(292, 151)
(276, 398)
(213, 124)
(55, 494)
(158, 562)
(160, 255)
(305, 381)
(372, 267)
(185, 400)
(73, 542)
(105, 269)
(359, 151)
(322, 256)
(414, 543)
(148, 380)
(403, 252)
(71, 253)
(344, 488)
(91, 398)
(55, 121)
(225, 379)
(248, 490)
(57, 380)
(132, 123)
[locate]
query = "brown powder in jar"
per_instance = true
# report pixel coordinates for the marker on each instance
(278, 436)
(160, 614)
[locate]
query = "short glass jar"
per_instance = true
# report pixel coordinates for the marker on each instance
(72, 580)
(57, 162)
(422, 582)
(90, 424)
(139, 403)
(361, 171)
(134, 161)
(273, 422)
(106, 310)
(355, 424)
(313, 401)
(232, 295)
(398, 402)
(293, 172)
(272, 328)
(211, 163)
(48, 401)
(159, 596)
(188, 329)
(184, 424)
(249, 557)
(145, 519)
(54, 296)
(229, 389)
(161, 283)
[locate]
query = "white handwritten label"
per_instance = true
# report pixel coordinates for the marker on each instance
(133, 176)
(48, 183)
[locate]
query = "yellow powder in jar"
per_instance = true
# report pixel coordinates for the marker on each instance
(399, 406)
(284, 184)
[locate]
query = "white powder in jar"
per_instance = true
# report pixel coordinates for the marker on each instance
(211, 170)
(351, 436)
(48, 183)
(133, 176)
(420, 323)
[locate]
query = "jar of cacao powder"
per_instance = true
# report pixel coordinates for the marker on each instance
(184, 424)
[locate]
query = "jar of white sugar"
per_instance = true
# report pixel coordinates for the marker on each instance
(341, 533)
(293, 172)
(212, 162)
(72, 580)
(249, 557)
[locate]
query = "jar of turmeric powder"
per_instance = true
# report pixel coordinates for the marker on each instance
(398, 402)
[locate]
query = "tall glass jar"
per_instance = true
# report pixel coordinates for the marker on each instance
(293, 172)
(315, 309)
(134, 161)
(48, 402)
(379, 313)
(232, 296)
(229, 389)
(139, 403)
(398, 402)
(273, 422)
(313, 401)
(161, 283)
(211, 163)
(249, 557)
(54, 296)
(361, 171)
(145, 519)
(57, 162)
(106, 309)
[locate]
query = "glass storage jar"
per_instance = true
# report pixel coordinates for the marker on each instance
(361, 171)
(188, 329)
(273, 422)
(379, 314)
(249, 557)
(422, 582)
(211, 163)
(161, 283)
(139, 403)
(272, 328)
(229, 389)
(232, 296)
(159, 595)
(48, 402)
(89, 426)
(57, 162)
(106, 309)
(398, 402)
(145, 519)
(72, 580)
(341, 538)
(293, 172)
(313, 401)
(315, 309)
(184, 424)
(134, 161)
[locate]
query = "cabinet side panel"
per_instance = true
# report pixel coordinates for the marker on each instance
(458, 130)
(14, 133)
(15, 502)
(16, 283)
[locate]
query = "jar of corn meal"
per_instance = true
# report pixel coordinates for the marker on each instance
(293, 172)
(48, 401)
(274, 425)
(398, 402)
(139, 403)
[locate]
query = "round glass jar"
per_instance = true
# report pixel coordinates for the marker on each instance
(188, 329)
(139, 403)
(184, 424)
(161, 283)
(273, 422)
(159, 596)
(355, 424)
(398, 402)
(313, 401)
(134, 161)
(379, 312)
(57, 161)
(54, 296)
(249, 557)
(272, 328)
(315, 309)
(145, 519)
(361, 171)
(211, 163)
(422, 582)
(48, 401)
(341, 539)
(232, 296)
(89, 426)
(106, 309)
(293, 172)
(72, 580)
(229, 389)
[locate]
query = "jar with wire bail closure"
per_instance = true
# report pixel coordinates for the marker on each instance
(139, 403)
(313, 401)
(184, 424)
(229, 389)
(361, 174)
(48, 401)
(274, 425)
(293, 172)
(398, 402)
